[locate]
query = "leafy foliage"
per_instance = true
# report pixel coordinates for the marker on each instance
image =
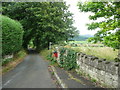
(12, 34)
(42, 22)
(68, 59)
(52, 59)
(109, 29)
(6, 61)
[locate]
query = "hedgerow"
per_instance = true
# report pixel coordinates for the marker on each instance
(12, 34)
(68, 59)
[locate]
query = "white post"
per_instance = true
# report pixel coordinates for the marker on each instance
(50, 44)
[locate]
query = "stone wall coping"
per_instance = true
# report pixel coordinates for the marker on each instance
(92, 58)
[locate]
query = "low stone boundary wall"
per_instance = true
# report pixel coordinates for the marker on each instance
(102, 71)
(6, 59)
(8, 56)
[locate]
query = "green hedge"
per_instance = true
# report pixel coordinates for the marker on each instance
(12, 34)
(68, 62)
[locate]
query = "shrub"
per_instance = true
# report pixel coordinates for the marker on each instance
(6, 61)
(12, 34)
(68, 61)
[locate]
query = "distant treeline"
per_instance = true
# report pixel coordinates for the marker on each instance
(80, 38)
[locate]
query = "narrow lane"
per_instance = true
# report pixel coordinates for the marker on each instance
(31, 73)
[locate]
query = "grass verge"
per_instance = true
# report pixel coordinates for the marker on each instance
(44, 53)
(19, 57)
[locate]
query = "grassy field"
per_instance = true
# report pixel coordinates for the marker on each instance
(78, 42)
(84, 43)
(101, 52)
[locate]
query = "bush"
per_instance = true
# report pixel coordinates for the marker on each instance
(68, 61)
(12, 34)
(6, 61)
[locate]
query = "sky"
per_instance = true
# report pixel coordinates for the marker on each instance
(81, 18)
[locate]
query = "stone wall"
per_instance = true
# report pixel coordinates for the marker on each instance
(8, 56)
(104, 72)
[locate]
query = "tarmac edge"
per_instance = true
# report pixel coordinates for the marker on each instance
(63, 85)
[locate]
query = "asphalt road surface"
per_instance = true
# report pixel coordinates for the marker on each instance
(31, 73)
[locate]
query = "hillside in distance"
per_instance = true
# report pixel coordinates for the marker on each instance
(81, 37)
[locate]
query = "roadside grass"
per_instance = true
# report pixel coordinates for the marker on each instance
(18, 57)
(101, 52)
(44, 53)
(20, 54)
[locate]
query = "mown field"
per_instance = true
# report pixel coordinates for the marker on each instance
(101, 52)
(77, 42)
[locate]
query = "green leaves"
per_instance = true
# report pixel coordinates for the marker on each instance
(107, 33)
(12, 35)
(93, 25)
(43, 22)
(68, 59)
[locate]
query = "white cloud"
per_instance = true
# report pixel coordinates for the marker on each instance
(81, 18)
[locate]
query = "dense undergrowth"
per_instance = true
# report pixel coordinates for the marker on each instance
(68, 59)
(17, 56)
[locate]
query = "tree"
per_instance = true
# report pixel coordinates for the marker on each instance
(42, 22)
(109, 29)
(12, 34)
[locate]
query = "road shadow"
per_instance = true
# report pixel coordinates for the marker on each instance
(32, 51)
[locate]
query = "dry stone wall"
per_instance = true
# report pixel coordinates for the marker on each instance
(104, 72)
